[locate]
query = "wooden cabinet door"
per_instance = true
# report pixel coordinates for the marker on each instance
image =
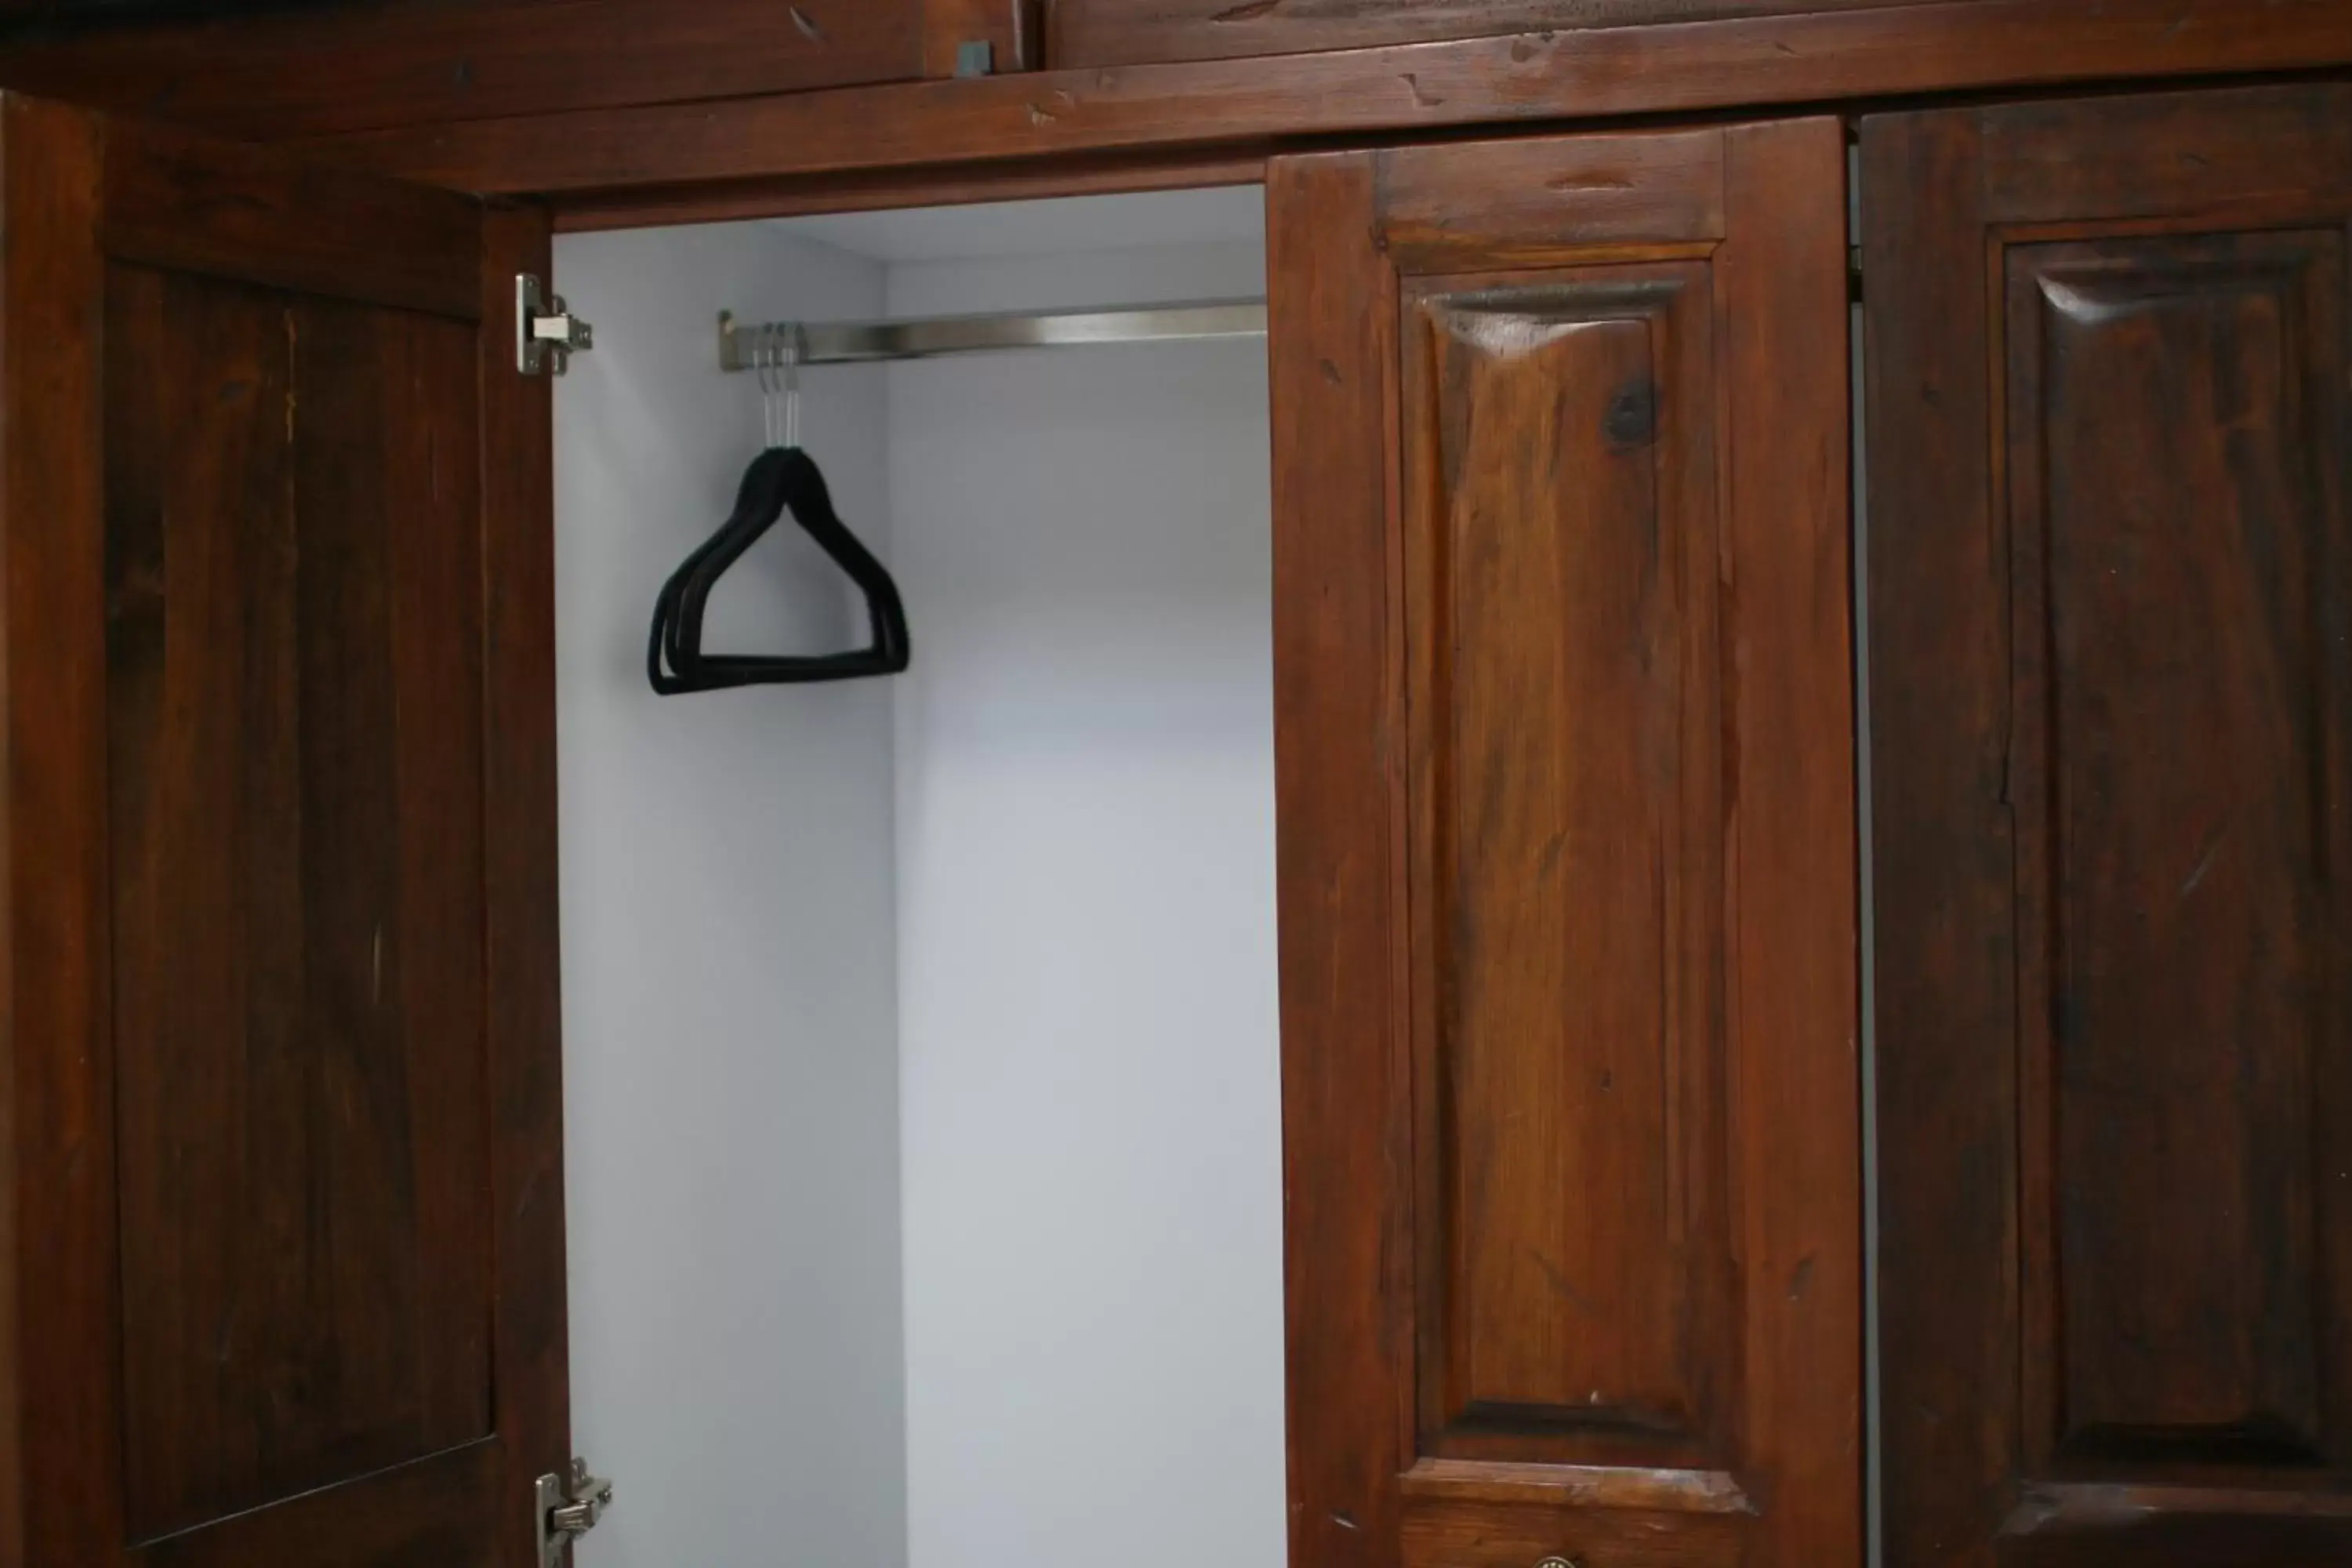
(281, 1168)
(1566, 854)
(2111, 645)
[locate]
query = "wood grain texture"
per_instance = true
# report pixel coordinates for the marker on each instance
(1339, 778)
(1561, 509)
(1946, 974)
(439, 1512)
(1586, 1279)
(1135, 32)
(1487, 1536)
(188, 204)
(2163, 533)
(1642, 191)
(1794, 1001)
(1115, 173)
(532, 1330)
(1639, 1488)
(1263, 104)
(296, 856)
(2223, 151)
(287, 1264)
(318, 70)
(65, 1356)
(2115, 1033)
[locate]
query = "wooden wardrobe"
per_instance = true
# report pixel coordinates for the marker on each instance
(1813, 648)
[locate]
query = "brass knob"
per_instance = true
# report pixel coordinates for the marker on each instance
(1559, 1562)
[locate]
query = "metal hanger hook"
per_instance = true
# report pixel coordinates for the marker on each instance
(791, 387)
(759, 373)
(771, 416)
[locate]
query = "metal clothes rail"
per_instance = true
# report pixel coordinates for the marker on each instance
(745, 346)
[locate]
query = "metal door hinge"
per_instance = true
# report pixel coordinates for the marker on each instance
(567, 1507)
(546, 334)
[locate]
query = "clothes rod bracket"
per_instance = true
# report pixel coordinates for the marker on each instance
(746, 345)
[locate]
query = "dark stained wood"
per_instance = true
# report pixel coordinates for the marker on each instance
(2246, 151)
(65, 1361)
(1490, 1535)
(294, 693)
(2111, 422)
(313, 70)
(1642, 191)
(436, 1512)
(1938, 719)
(188, 204)
(2187, 990)
(57, 15)
(908, 188)
(1792, 993)
(1339, 653)
(292, 1263)
(531, 1328)
(1257, 105)
(1627, 1488)
(1582, 1273)
(1135, 32)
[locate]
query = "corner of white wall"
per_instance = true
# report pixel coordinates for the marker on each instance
(730, 973)
(1088, 1038)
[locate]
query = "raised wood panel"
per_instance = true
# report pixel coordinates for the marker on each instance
(289, 1242)
(2116, 1018)
(1131, 32)
(1571, 1097)
(2168, 544)
(1562, 538)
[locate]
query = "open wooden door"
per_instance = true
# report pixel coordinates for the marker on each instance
(1571, 1103)
(281, 1146)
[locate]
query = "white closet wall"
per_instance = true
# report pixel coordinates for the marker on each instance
(962, 981)
(1088, 1044)
(730, 1058)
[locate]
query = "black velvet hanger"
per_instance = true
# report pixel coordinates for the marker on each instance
(780, 479)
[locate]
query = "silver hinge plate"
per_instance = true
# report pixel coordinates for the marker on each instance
(546, 333)
(567, 1507)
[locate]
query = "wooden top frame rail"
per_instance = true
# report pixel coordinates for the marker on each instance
(1215, 111)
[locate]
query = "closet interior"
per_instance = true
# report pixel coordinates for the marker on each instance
(923, 1101)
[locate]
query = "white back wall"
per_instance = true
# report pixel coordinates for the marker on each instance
(731, 1064)
(1089, 1043)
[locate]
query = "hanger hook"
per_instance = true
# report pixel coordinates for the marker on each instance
(773, 404)
(792, 387)
(759, 335)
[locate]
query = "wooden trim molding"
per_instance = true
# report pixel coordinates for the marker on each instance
(1260, 105)
(735, 201)
(327, 69)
